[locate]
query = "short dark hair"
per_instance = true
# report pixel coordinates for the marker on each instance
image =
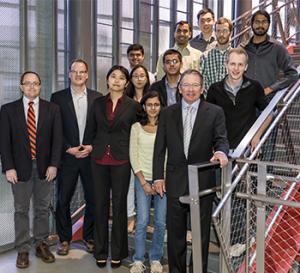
(29, 72)
(130, 90)
(143, 117)
(204, 11)
(118, 67)
(224, 20)
(181, 23)
(172, 51)
(79, 61)
(260, 12)
(136, 47)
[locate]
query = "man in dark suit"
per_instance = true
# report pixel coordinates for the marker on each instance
(192, 131)
(75, 103)
(167, 86)
(31, 143)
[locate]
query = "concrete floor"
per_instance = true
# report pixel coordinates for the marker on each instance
(78, 261)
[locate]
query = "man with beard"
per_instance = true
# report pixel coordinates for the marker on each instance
(206, 40)
(213, 66)
(167, 86)
(190, 56)
(267, 57)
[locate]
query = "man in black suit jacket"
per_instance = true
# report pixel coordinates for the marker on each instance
(75, 103)
(167, 86)
(207, 142)
(31, 143)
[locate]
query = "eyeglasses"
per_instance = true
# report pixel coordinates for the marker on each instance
(34, 84)
(139, 77)
(174, 61)
(152, 105)
(190, 85)
(78, 72)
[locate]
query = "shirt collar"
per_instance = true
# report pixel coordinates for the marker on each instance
(180, 49)
(210, 39)
(35, 101)
(194, 105)
(74, 93)
(120, 100)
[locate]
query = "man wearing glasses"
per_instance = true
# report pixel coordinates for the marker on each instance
(31, 143)
(189, 132)
(206, 40)
(75, 102)
(167, 86)
(213, 65)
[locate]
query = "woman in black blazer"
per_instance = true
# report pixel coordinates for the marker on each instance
(108, 132)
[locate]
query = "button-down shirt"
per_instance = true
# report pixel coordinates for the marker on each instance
(191, 58)
(185, 107)
(35, 106)
(171, 93)
(213, 66)
(80, 105)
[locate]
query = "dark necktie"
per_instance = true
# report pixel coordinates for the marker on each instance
(31, 128)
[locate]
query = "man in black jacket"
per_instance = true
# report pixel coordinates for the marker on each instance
(31, 144)
(167, 86)
(75, 103)
(240, 98)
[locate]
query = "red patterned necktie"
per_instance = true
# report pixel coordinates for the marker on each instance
(31, 128)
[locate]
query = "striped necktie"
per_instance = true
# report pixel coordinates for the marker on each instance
(31, 128)
(187, 129)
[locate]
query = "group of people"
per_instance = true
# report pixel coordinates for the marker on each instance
(139, 137)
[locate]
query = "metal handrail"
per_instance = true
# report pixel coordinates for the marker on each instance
(294, 91)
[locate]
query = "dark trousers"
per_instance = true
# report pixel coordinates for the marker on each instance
(40, 191)
(114, 179)
(177, 228)
(68, 176)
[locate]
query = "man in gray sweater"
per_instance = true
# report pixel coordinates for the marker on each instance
(267, 57)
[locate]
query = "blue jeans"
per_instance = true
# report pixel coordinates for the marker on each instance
(143, 202)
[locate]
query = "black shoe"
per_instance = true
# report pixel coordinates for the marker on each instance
(22, 260)
(42, 251)
(101, 263)
(115, 264)
(90, 245)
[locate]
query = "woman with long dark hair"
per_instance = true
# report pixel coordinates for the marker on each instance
(142, 139)
(137, 88)
(108, 132)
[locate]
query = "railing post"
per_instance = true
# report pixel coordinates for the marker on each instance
(261, 217)
(226, 215)
(195, 219)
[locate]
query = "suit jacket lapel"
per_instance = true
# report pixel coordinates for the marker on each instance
(20, 112)
(200, 119)
(120, 110)
(178, 120)
(70, 103)
(89, 100)
(42, 115)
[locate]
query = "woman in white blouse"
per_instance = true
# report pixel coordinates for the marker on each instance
(141, 148)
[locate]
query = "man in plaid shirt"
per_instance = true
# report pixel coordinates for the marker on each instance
(213, 65)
